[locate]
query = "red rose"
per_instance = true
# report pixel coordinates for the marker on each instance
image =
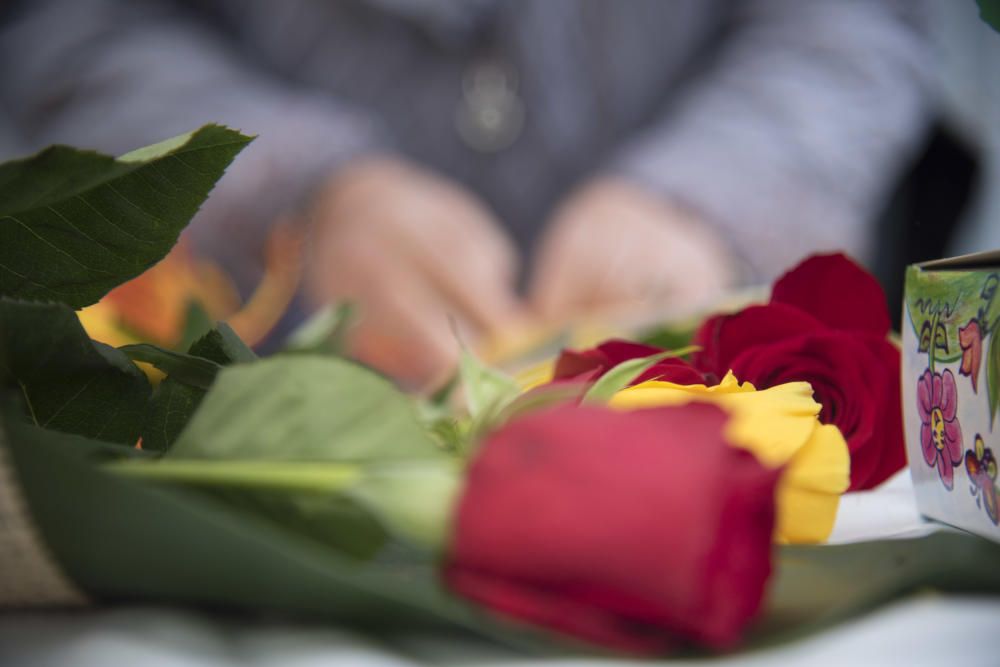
(634, 530)
(588, 365)
(826, 324)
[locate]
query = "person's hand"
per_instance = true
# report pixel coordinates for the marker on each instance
(415, 252)
(614, 249)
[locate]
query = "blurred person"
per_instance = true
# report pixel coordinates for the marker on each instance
(643, 154)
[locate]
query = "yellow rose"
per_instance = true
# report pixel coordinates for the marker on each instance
(780, 426)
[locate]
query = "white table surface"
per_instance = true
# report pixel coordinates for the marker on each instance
(929, 629)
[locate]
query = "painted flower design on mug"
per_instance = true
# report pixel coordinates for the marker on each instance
(940, 432)
(970, 339)
(981, 466)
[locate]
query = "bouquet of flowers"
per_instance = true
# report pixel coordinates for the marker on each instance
(635, 499)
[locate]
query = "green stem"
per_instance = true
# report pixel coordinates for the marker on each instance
(274, 475)
(931, 347)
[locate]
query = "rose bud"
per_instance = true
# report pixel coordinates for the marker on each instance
(634, 530)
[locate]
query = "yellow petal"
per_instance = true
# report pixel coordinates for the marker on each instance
(773, 423)
(101, 322)
(780, 426)
(808, 494)
(823, 464)
(804, 517)
(535, 375)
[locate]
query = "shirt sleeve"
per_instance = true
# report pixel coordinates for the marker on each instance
(118, 75)
(789, 140)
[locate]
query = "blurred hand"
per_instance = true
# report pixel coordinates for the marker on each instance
(413, 250)
(614, 248)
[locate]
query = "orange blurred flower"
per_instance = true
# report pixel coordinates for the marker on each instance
(154, 306)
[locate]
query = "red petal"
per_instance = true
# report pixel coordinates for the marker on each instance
(890, 437)
(610, 525)
(856, 379)
(573, 364)
(723, 338)
(837, 292)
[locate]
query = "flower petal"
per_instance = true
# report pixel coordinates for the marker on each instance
(970, 339)
(889, 436)
(927, 444)
(823, 463)
(953, 441)
(946, 472)
(925, 391)
(810, 489)
(723, 338)
(949, 395)
(836, 291)
(773, 423)
(610, 527)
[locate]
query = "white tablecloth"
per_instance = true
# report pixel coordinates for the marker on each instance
(923, 630)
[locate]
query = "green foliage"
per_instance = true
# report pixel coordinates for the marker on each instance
(325, 332)
(170, 409)
(486, 389)
(453, 435)
(989, 11)
(222, 346)
(670, 336)
(197, 322)
(67, 381)
(121, 538)
(352, 506)
(74, 224)
(304, 408)
(185, 368)
(939, 302)
(108, 531)
(175, 400)
(624, 374)
(541, 398)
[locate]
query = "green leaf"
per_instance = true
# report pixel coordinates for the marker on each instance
(453, 435)
(305, 408)
(124, 539)
(188, 369)
(541, 398)
(74, 224)
(670, 335)
(170, 408)
(128, 539)
(324, 332)
(411, 500)
(486, 389)
(222, 346)
(625, 374)
(69, 382)
(989, 11)
(197, 323)
(309, 498)
(174, 401)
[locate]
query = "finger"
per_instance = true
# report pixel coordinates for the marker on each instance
(563, 274)
(477, 290)
(402, 328)
(470, 263)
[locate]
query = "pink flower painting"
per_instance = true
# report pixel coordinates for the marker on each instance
(940, 432)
